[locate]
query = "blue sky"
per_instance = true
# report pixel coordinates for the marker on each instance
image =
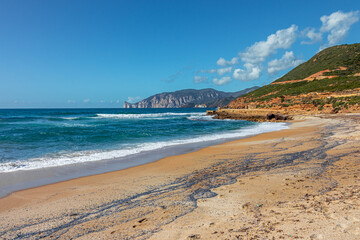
(84, 53)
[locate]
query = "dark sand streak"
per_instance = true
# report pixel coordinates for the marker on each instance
(180, 195)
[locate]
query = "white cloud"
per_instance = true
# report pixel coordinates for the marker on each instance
(338, 24)
(71, 101)
(222, 71)
(334, 26)
(259, 51)
(222, 62)
(221, 81)
(173, 77)
(234, 60)
(251, 72)
(86, 100)
(256, 54)
(288, 60)
(313, 35)
(133, 99)
(177, 75)
(207, 71)
(200, 79)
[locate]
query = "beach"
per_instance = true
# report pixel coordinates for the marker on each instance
(298, 183)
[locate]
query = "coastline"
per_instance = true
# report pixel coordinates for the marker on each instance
(238, 183)
(29, 178)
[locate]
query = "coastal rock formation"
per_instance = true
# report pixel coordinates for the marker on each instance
(189, 98)
(253, 115)
(276, 116)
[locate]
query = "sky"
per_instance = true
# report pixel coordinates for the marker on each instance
(86, 53)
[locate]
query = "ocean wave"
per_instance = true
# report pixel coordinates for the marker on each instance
(74, 125)
(89, 156)
(145, 115)
(205, 117)
(201, 118)
(71, 118)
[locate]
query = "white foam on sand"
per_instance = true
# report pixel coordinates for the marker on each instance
(61, 159)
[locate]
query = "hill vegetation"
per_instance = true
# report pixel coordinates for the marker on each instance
(331, 58)
(304, 87)
(328, 82)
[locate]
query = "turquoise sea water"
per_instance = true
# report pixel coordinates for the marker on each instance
(39, 138)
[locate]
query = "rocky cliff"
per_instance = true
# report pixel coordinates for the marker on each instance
(189, 98)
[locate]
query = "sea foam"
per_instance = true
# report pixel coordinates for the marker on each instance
(61, 159)
(145, 115)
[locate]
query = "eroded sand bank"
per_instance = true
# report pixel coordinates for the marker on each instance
(302, 183)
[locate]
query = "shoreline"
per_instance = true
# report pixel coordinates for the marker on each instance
(251, 114)
(132, 168)
(26, 179)
(218, 184)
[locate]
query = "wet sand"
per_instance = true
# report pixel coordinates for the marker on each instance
(300, 183)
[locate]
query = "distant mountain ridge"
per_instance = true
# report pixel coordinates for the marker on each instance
(189, 98)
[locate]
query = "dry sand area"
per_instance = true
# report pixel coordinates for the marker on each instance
(300, 183)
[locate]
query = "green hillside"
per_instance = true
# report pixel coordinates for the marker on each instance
(330, 58)
(325, 85)
(334, 93)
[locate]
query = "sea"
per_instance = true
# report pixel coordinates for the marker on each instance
(40, 146)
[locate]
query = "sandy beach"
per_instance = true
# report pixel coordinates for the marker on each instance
(299, 183)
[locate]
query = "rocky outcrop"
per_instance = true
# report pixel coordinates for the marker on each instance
(276, 116)
(253, 115)
(189, 98)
